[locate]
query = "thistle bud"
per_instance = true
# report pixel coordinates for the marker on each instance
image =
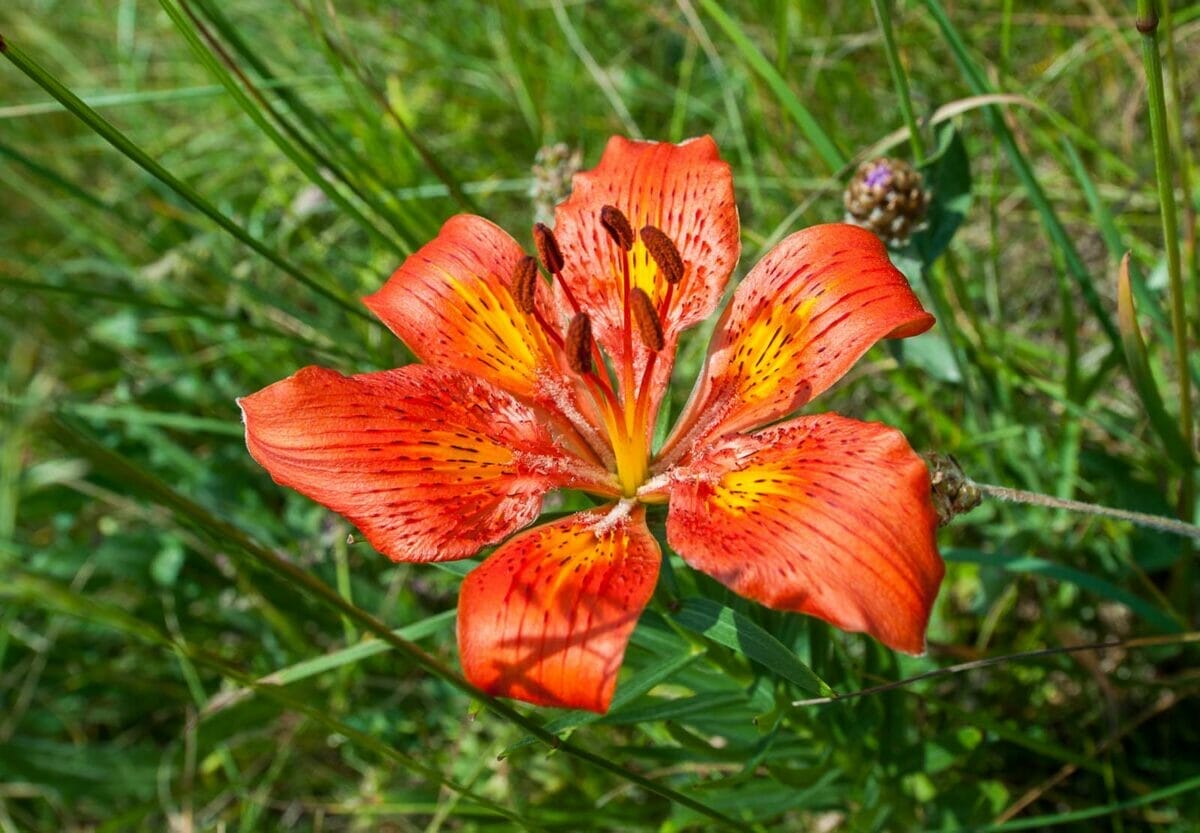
(953, 492)
(553, 168)
(888, 197)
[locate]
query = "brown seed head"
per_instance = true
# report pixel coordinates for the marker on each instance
(663, 250)
(617, 226)
(547, 248)
(953, 492)
(524, 283)
(578, 345)
(649, 325)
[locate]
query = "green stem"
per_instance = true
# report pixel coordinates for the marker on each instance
(883, 14)
(1147, 25)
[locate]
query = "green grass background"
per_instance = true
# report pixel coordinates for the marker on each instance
(186, 646)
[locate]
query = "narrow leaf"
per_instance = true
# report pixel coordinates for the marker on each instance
(727, 627)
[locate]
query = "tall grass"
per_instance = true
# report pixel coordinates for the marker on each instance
(194, 195)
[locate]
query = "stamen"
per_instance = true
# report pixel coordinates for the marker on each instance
(547, 248)
(617, 226)
(664, 252)
(578, 346)
(524, 283)
(646, 316)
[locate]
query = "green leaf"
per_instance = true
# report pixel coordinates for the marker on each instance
(948, 177)
(727, 627)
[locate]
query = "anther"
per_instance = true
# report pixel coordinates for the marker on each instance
(648, 324)
(660, 247)
(547, 248)
(524, 283)
(578, 346)
(617, 226)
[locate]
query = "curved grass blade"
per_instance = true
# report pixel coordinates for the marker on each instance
(333, 660)
(126, 146)
(1046, 822)
(1061, 572)
(979, 85)
(833, 158)
(36, 590)
(627, 692)
(221, 64)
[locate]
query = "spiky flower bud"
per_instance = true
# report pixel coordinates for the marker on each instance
(552, 171)
(887, 196)
(953, 492)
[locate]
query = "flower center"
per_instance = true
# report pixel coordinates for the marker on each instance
(622, 396)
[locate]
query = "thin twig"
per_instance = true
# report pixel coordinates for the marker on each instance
(1142, 642)
(1140, 518)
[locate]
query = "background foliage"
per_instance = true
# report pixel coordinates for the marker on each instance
(186, 646)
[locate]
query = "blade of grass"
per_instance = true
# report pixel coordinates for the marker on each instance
(221, 65)
(36, 73)
(348, 59)
(979, 85)
(410, 238)
(1056, 819)
(34, 590)
(824, 146)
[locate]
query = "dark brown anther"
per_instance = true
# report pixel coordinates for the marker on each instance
(660, 247)
(524, 283)
(578, 345)
(648, 324)
(547, 248)
(617, 226)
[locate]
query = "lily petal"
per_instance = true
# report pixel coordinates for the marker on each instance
(546, 618)
(430, 464)
(452, 304)
(800, 319)
(686, 191)
(821, 515)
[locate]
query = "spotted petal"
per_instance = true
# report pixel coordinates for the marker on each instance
(820, 515)
(430, 464)
(546, 618)
(686, 191)
(452, 304)
(807, 312)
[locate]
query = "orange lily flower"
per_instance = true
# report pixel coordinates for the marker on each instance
(529, 386)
